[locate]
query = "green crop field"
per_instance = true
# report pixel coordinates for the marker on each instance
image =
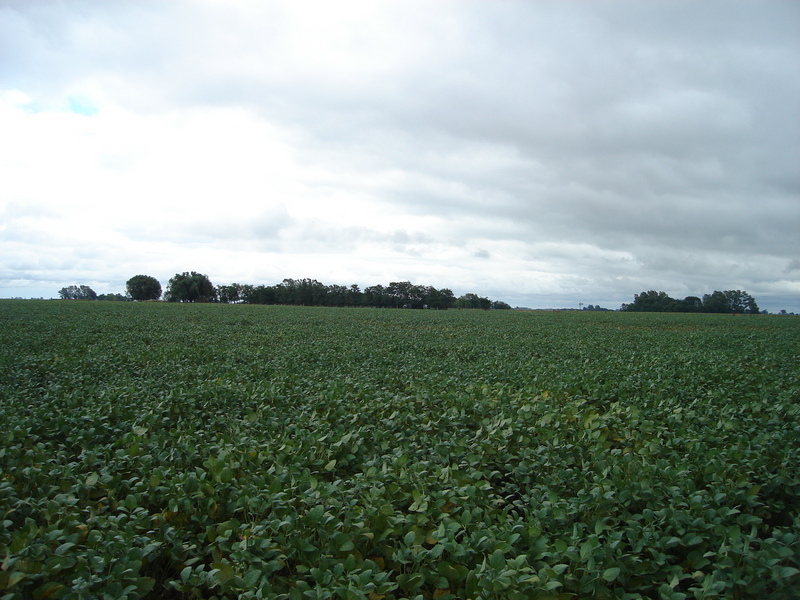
(153, 450)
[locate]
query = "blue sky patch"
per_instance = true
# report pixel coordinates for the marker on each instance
(81, 106)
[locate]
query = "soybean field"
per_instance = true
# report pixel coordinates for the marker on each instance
(186, 451)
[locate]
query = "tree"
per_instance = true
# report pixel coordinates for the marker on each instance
(693, 304)
(741, 302)
(375, 295)
(404, 294)
(143, 287)
(231, 294)
(473, 301)
(304, 292)
(729, 301)
(260, 294)
(77, 292)
(715, 302)
(190, 287)
(354, 295)
(336, 296)
(651, 301)
(310, 292)
(440, 299)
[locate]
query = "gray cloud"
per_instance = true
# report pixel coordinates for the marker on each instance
(545, 150)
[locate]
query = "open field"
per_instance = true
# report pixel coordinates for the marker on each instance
(158, 450)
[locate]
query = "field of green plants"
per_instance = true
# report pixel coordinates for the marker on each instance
(154, 450)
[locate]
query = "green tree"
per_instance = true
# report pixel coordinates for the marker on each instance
(336, 296)
(231, 294)
(751, 306)
(729, 301)
(651, 301)
(715, 302)
(473, 301)
(304, 292)
(77, 292)
(692, 304)
(259, 294)
(190, 287)
(143, 287)
(375, 295)
(404, 294)
(440, 299)
(354, 295)
(740, 302)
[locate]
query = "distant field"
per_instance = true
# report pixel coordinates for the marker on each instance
(159, 450)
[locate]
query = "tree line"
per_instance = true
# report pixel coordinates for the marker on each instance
(729, 301)
(191, 286)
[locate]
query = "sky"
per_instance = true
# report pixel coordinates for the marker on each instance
(544, 153)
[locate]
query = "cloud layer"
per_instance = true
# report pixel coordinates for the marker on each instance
(541, 153)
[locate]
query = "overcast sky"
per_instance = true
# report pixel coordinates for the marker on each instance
(541, 153)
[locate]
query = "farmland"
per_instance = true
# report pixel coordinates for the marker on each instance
(154, 450)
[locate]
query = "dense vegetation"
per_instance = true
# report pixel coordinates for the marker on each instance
(156, 450)
(729, 301)
(143, 287)
(77, 292)
(310, 292)
(189, 287)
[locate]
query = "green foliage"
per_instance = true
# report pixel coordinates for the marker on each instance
(190, 287)
(332, 453)
(310, 292)
(473, 301)
(77, 292)
(113, 297)
(143, 287)
(729, 301)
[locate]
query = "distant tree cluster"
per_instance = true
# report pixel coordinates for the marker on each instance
(596, 308)
(195, 287)
(729, 301)
(310, 292)
(84, 292)
(77, 292)
(138, 287)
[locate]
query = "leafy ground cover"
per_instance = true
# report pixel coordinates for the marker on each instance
(153, 450)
